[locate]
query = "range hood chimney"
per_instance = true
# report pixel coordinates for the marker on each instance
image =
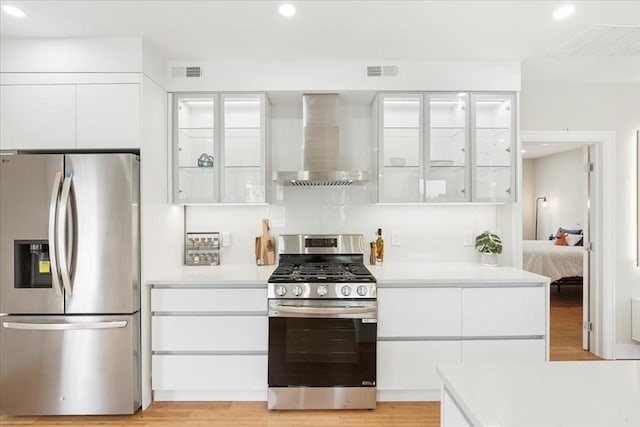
(321, 139)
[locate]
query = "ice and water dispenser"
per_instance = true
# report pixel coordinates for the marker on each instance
(32, 267)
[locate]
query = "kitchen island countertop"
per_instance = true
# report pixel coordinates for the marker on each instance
(551, 394)
(387, 275)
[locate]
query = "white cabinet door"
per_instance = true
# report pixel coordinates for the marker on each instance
(411, 365)
(37, 117)
(504, 350)
(209, 333)
(209, 372)
(108, 116)
(503, 311)
(208, 300)
(419, 312)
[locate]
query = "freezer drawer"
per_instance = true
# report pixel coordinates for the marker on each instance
(69, 365)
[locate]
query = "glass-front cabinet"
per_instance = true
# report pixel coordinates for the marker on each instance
(401, 148)
(493, 124)
(446, 175)
(219, 148)
(445, 147)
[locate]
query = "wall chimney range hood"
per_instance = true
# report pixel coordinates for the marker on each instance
(321, 136)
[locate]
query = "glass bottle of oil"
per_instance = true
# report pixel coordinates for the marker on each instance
(379, 247)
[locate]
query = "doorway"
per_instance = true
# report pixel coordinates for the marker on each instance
(597, 149)
(556, 194)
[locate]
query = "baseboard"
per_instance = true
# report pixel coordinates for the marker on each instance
(408, 395)
(627, 351)
(210, 395)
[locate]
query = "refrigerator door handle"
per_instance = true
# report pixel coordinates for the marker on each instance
(65, 326)
(63, 213)
(53, 226)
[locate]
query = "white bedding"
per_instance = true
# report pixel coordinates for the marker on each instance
(552, 261)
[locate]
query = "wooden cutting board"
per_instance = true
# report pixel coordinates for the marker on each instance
(265, 246)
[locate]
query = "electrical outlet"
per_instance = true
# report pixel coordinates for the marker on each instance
(226, 239)
(395, 238)
(468, 238)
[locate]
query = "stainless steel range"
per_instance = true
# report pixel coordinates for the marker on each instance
(322, 325)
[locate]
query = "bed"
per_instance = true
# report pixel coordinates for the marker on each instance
(561, 264)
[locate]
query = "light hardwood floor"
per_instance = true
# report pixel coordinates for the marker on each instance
(566, 341)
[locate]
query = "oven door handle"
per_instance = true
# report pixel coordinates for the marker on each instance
(321, 311)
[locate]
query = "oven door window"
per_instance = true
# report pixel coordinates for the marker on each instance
(321, 352)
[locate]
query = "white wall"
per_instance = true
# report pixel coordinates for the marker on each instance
(600, 107)
(560, 178)
(345, 75)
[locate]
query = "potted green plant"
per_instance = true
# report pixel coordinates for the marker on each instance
(489, 245)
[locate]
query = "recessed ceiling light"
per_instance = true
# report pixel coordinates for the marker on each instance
(287, 10)
(13, 11)
(523, 151)
(564, 12)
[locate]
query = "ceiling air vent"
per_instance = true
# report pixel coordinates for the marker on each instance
(193, 72)
(382, 70)
(186, 72)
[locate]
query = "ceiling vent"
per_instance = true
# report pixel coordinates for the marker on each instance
(603, 41)
(382, 70)
(186, 72)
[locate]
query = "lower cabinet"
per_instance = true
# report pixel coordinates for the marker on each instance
(192, 372)
(209, 343)
(421, 327)
(504, 350)
(411, 365)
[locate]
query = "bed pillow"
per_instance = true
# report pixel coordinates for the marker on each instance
(573, 239)
(561, 239)
(571, 231)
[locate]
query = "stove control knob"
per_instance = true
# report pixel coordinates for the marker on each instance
(281, 291)
(346, 291)
(362, 290)
(322, 290)
(297, 290)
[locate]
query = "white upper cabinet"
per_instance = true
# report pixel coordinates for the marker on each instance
(445, 147)
(37, 117)
(108, 116)
(60, 116)
(493, 124)
(219, 148)
(446, 173)
(401, 148)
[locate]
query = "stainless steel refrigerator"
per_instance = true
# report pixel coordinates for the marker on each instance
(69, 284)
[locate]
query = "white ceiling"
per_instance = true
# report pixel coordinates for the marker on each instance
(534, 150)
(339, 30)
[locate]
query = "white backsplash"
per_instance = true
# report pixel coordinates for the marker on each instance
(425, 232)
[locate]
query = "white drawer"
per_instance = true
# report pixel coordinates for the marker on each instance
(209, 333)
(504, 351)
(503, 311)
(209, 372)
(419, 312)
(411, 365)
(209, 299)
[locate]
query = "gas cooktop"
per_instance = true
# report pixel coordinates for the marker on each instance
(293, 271)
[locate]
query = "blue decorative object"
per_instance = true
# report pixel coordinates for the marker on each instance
(205, 161)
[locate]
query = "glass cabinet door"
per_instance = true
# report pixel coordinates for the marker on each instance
(446, 156)
(400, 165)
(493, 142)
(196, 148)
(243, 148)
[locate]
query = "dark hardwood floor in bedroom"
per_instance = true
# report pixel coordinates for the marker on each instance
(566, 344)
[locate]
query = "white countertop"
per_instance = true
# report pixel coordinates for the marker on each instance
(386, 275)
(550, 394)
(450, 272)
(241, 273)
